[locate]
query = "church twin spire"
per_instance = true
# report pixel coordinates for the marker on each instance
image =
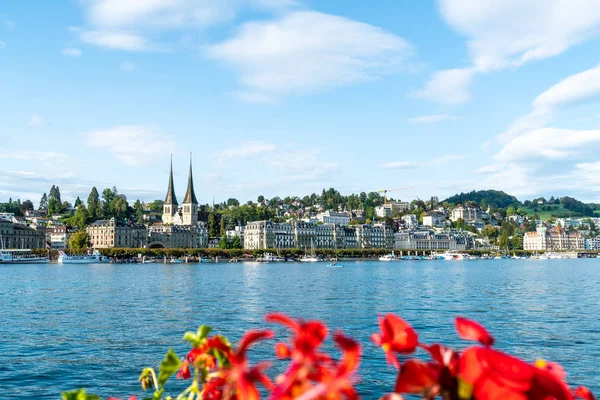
(189, 213)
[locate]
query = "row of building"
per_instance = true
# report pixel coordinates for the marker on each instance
(556, 238)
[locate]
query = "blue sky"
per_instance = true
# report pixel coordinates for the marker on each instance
(286, 97)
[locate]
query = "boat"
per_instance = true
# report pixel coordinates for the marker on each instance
(176, 261)
(312, 257)
(21, 256)
(270, 257)
(335, 265)
(453, 256)
(90, 258)
(148, 261)
(388, 257)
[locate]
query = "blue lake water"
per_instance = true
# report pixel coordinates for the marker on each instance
(97, 326)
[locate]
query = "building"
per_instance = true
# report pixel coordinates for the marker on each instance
(110, 233)
(238, 231)
(19, 236)
(410, 221)
(177, 236)
(429, 240)
(374, 237)
(58, 236)
(593, 243)
(466, 213)
(7, 216)
(268, 235)
(387, 209)
(434, 218)
(335, 218)
(555, 239)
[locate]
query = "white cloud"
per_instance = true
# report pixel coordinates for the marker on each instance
(549, 143)
(577, 88)
(398, 165)
(307, 51)
(134, 145)
(72, 52)
(170, 14)
(514, 32)
(448, 86)
(31, 155)
(249, 149)
(117, 40)
(431, 119)
(510, 33)
(35, 120)
(128, 66)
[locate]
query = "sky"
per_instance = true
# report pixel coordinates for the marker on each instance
(287, 97)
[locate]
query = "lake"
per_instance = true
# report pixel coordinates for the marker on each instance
(97, 326)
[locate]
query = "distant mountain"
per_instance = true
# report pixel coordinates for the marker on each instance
(494, 198)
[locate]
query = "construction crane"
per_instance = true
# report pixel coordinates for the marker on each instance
(386, 191)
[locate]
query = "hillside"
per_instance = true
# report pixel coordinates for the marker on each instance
(494, 198)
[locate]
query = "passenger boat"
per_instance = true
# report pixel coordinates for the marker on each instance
(388, 257)
(270, 257)
(453, 256)
(94, 257)
(21, 256)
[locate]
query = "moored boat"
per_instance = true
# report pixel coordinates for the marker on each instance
(21, 256)
(94, 257)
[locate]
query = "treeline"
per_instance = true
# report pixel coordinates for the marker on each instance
(493, 198)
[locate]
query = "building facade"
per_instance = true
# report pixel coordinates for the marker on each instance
(434, 218)
(178, 236)
(58, 236)
(335, 218)
(467, 213)
(268, 235)
(387, 209)
(111, 233)
(556, 238)
(429, 240)
(19, 236)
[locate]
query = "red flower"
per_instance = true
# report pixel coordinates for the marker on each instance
(282, 351)
(491, 374)
(418, 377)
(396, 336)
(184, 371)
(584, 393)
(308, 335)
(471, 330)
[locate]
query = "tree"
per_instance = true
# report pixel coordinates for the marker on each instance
(80, 218)
(119, 207)
(260, 199)
(222, 225)
(233, 202)
(108, 195)
(43, 202)
(93, 204)
(79, 241)
(65, 206)
(224, 243)
(27, 205)
(236, 243)
(157, 206)
(212, 225)
(139, 211)
(510, 211)
(77, 202)
(55, 204)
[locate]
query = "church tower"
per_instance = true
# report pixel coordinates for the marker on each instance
(190, 203)
(170, 206)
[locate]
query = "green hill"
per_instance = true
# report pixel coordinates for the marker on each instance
(494, 198)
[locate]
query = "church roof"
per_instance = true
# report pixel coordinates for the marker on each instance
(171, 199)
(190, 195)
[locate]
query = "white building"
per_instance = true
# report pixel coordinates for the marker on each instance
(429, 240)
(268, 235)
(386, 210)
(58, 236)
(466, 213)
(410, 221)
(237, 232)
(335, 218)
(434, 218)
(553, 239)
(7, 216)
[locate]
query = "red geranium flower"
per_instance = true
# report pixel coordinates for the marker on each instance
(184, 370)
(471, 330)
(396, 336)
(418, 377)
(584, 393)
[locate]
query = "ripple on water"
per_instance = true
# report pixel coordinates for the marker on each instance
(98, 326)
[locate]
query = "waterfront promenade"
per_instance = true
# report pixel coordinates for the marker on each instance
(97, 326)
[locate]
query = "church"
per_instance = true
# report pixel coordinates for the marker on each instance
(180, 227)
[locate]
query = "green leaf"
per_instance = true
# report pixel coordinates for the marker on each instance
(191, 337)
(168, 367)
(78, 395)
(203, 331)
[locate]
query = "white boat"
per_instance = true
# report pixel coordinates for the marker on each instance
(453, 256)
(91, 258)
(21, 256)
(388, 257)
(312, 257)
(270, 257)
(176, 261)
(148, 261)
